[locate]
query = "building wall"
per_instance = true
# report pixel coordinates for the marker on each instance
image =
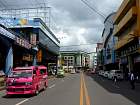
(108, 41)
(80, 59)
(127, 29)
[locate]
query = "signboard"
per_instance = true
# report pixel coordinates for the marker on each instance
(27, 57)
(39, 56)
(22, 42)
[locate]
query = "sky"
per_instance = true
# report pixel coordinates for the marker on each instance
(73, 22)
(76, 24)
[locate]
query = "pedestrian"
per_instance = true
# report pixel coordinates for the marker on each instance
(132, 80)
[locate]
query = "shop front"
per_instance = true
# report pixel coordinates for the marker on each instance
(22, 52)
(6, 51)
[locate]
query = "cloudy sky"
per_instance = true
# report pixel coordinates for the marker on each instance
(76, 24)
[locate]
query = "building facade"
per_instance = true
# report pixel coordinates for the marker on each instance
(108, 38)
(33, 43)
(73, 60)
(99, 50)
(127, 29)
(93, 60)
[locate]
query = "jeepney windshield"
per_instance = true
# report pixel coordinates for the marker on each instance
(22, 74)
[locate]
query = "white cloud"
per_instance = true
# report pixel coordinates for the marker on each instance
(77, 24)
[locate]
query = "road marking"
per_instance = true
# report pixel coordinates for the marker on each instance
(52, 86)
(22, 102)
(83, 89)
(81, 92)
(86, 92)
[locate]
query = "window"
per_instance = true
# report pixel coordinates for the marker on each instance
(43, 71)
(34, 72)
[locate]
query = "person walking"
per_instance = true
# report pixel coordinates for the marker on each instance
(132, 80)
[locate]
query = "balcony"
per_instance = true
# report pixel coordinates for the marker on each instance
(125, 6)
(125, 40)
(126, 20)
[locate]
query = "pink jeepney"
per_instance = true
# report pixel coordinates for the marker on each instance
(27, 80)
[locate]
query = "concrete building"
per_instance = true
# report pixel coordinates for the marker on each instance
(35, 44)
(9, 52)
(127, 29)
(109, 55)
(93, 60)
(99, 50)
(73, 60)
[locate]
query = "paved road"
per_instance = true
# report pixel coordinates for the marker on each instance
(74, 89)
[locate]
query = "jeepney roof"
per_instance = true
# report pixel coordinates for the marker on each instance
(24, 68)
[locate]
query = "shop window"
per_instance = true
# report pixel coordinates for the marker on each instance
(34, 72)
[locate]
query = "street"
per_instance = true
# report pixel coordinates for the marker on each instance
(77, 89)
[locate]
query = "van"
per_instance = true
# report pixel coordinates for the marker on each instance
(27, 80)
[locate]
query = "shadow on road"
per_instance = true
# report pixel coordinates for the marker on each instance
(21, 95)
(120, 87)
(17, 96)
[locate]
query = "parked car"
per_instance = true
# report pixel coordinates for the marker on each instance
(27, 80)
(72, 71)
(106, 73)
(78, 70)
(60, 72)
(101, 72)
(115, 74)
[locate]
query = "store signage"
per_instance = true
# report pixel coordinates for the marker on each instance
(22, 42)
(6, 33)
(39, 56)
(27, 57)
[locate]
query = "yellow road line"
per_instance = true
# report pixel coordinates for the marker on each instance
(83, 91)
(86, 92)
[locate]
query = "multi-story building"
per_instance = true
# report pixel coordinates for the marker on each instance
(108, 44)
(93, 60)
(127, 29)
(26, 43)
(99, 50)
(73, 59)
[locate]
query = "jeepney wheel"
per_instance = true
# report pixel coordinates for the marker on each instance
(45, 86)
(8, 95)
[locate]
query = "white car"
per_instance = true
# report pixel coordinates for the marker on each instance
(115, 74)
(106, 73)
(100, 72)
(73, 71)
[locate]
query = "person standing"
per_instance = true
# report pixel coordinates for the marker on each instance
(132, 80)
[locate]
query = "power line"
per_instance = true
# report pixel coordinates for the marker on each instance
(95, 10)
